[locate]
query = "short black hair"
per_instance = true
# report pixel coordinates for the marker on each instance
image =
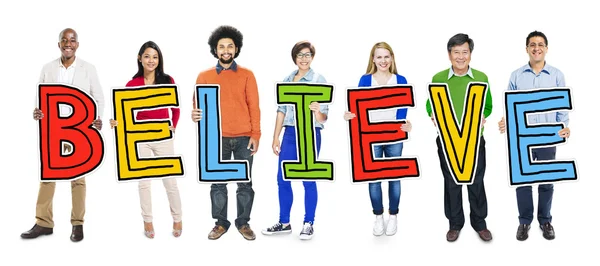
(460, 39)
(301, 45)
(60, 35)
(536, 34)
(225, 32)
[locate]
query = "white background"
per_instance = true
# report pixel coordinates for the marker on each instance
(110, 34)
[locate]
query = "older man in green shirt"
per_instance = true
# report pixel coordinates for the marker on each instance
(460, 47)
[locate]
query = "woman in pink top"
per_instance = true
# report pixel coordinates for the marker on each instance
(150, 72)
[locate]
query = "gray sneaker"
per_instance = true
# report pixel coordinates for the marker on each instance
(307, 231)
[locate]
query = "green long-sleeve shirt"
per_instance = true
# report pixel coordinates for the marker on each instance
(457, 85)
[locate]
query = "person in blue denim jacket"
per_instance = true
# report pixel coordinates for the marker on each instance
(382, 71)
(302, 55)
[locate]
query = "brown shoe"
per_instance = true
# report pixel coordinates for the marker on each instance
(247, 232)
(452, 235)
(485, 235)
(36, 231)
(77, 233)
(216, 232)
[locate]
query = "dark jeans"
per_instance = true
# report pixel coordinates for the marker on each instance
(453, 205)
(545, 192)
(244, 193)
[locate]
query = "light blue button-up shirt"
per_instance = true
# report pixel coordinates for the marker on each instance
(288, 110)
(550, 77)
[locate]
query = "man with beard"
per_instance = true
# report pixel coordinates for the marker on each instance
(240, 123)
(73, 70)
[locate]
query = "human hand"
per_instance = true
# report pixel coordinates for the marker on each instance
(348, 116)
(276, 146)
(196, 115)
(97, 123)
(406, 127)
(314, 106)
(37, 114)
(254, 144)
(502, 125)
(564, 133)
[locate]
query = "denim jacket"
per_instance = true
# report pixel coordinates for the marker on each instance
(288, 110)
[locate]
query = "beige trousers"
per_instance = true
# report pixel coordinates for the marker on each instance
(43, 210)
(170, 184)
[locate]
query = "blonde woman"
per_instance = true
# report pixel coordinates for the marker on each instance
(381, 70)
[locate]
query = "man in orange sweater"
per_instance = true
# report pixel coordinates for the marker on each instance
(240, 123)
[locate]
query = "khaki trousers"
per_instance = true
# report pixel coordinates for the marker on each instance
(43, 210)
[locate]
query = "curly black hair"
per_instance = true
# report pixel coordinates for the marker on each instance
(225, 32)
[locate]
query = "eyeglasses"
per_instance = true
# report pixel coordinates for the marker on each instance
(307, 55)
(540, 45)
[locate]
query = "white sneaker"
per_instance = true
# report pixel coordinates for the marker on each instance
(378, 227)
(392, 225)
(307, 231)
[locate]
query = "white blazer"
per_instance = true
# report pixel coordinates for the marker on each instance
(85, 78)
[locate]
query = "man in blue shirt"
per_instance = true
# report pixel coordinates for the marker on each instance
(538, 74)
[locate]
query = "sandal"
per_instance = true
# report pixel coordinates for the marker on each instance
(149, 234)
(176, 232)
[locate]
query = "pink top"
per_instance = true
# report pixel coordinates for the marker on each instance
(154, 114)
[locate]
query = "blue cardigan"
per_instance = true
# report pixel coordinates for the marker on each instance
(365, 81)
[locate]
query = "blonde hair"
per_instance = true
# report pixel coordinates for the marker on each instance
(371, 68)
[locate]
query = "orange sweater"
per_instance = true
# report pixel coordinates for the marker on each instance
(240, 112)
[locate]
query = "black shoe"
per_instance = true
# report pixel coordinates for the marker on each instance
(548, 231)
(77, 233)
(522, 232)
(36, 231)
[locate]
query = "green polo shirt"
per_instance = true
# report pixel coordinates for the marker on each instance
(457, 86)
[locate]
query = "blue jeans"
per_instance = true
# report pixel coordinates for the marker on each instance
(389, 150)
(286, 196)
(545, 192)
(244, 193)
